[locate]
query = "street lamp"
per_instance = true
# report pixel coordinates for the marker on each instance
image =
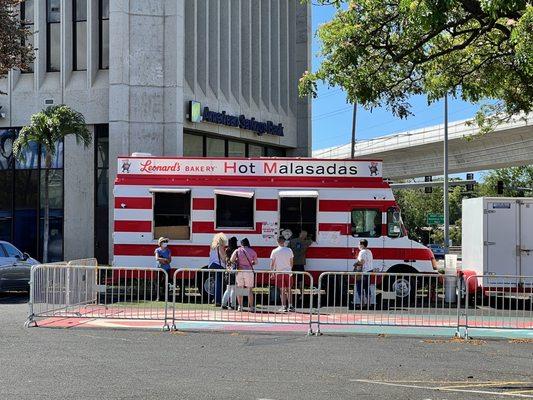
(446, 196)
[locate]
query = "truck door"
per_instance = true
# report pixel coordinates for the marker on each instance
(501, 237)
(366, 224)
(526, 239)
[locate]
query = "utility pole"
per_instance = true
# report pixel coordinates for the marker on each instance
(446, 196)
(353, 130)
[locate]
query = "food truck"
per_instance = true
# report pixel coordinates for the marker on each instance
(188, 200)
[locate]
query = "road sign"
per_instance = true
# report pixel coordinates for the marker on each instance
(435, 219)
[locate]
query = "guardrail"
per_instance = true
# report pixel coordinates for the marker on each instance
(504, 302)
(339, 298)
(388, 299)
(68, 291)
(242, 296)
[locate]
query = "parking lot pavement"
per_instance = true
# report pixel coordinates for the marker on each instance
(40, 363)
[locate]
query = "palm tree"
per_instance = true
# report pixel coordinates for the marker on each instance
(47, 128)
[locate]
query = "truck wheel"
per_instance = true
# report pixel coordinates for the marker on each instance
(404, 288)
(206, 285)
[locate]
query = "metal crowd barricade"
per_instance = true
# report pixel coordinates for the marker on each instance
(387, 299)
(198, 295)
(74, 291)
(499, 302)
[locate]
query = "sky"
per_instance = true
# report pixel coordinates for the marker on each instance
(332, 116)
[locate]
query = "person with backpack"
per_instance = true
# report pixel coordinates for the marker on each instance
(229, 298)
(245, 258)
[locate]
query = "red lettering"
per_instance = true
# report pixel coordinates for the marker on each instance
(270, 169)
(145, 167)
(228, 167)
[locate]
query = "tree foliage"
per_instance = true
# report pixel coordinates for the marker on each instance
(13, 52)
(381, 52)
(47, 128)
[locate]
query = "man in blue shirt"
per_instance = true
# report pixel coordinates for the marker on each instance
(163, 258)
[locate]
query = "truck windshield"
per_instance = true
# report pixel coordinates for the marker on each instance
(394, 223)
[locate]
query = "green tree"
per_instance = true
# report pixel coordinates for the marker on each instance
(14, 53)
(382, 52)
(47, 128)
(512, 178)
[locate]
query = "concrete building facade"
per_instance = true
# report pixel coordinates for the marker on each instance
(143, 73)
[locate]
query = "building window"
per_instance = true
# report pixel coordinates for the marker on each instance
(236, 149)
(234, 209)
(53, 35)
(193, 145)
(366, 223)
(104, 33)
(255, 151)
(101, 193)
(27, 20)
(79, 39)
(22, 198)
(172, 214)
(215, 147)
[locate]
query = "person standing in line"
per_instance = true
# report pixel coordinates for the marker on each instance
(229, 298)
(365, 265)
(282, 259)
(217, 261)
(299, 248)
(163, 258)
(245, 258)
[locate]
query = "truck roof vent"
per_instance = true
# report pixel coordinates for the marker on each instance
(138, 154)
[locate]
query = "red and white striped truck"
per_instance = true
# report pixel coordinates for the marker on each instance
(337, 202)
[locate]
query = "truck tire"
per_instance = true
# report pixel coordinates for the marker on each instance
(404, 288)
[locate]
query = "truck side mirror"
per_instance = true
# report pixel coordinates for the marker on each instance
(25, 256)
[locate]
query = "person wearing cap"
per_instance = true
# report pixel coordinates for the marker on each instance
(163, 258)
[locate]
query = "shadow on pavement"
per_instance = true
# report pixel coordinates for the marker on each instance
(14, 297)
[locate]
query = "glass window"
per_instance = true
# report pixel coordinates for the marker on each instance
(193, 145)
(104, 34)
(7, 137)
(53, 36)
(255, 150)
(275, 152)
(102, 152)
(234, 212)
(299, 214)
(11, 250)
(394, 223)
(55, 189)
(366, 223)
(55, 235)
(80, 34)
(102, 187)
(30, 159)
(6, 203)
(215, 147)
(236, 149)
(172, 215)
(27, 20)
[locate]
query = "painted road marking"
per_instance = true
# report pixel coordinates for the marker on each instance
(447, 389)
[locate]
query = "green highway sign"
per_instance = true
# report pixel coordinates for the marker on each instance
(435, 219)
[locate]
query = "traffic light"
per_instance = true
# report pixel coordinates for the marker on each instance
(428, 189)
(499, 187)
(470, 186)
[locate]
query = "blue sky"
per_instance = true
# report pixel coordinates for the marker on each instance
(332, 116)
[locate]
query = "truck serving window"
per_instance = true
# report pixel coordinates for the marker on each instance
(366, 223)
(234, 209)
(172, 213)
(298, 212)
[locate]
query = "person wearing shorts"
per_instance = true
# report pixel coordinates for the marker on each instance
(281, 260)
(245, 258)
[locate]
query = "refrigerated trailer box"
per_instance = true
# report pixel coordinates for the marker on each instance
(497, 237)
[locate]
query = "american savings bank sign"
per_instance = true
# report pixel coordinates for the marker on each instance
(249, 167)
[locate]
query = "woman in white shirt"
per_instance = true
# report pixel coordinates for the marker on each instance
(364, 264)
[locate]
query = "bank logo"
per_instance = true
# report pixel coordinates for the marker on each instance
(195, 111)
(126, 164)
(373, 167)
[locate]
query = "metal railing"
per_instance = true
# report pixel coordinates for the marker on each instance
(218, 295)
(74, 291)
(341, 298)
(504, 302)
(388, 299)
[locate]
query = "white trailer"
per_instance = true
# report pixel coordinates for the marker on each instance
(497, 239)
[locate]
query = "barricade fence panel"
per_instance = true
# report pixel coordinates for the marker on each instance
(98, 292)
(242, 296)
(499, 302)
(388, 299)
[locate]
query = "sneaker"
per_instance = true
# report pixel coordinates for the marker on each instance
(251, 309)
(283, 309)
(291, 309)
(239, 308)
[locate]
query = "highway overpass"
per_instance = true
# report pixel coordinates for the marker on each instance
(420, 152)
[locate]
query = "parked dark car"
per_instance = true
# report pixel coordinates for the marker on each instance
(15, 267)
(437, 249)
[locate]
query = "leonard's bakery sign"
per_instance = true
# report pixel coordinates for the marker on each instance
(196, 114)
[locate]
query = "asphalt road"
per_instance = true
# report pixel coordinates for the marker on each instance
(40, 363)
